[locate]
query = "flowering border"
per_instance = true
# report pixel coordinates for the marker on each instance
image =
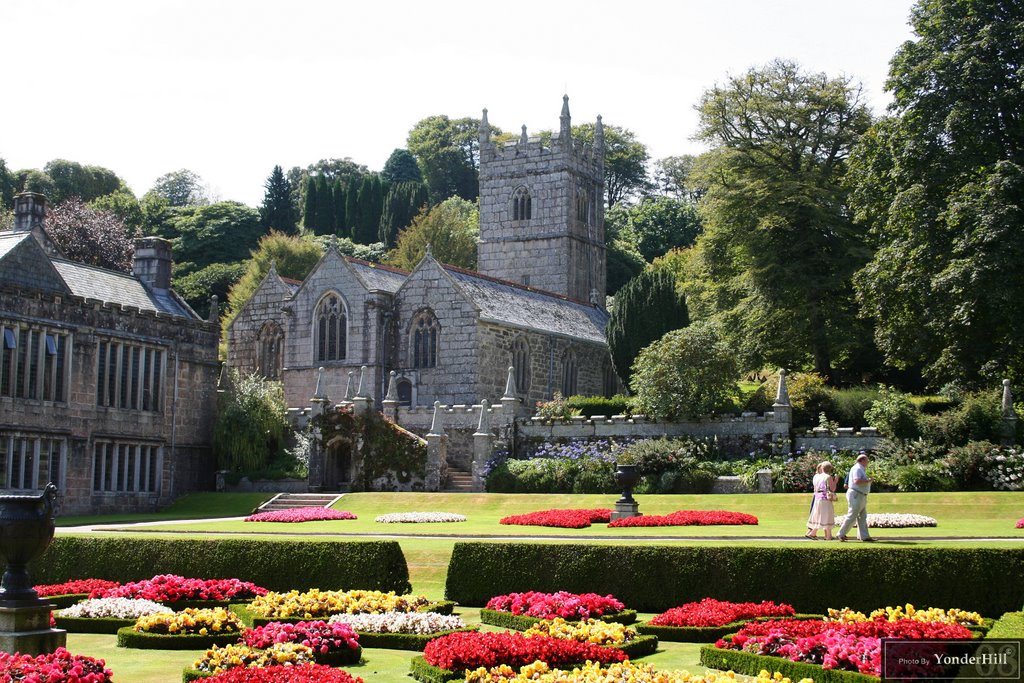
(704, 634)
(252, 620)
(521, 622)
(129, 637)
(751, 665)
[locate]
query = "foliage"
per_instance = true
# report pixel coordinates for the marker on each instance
(8, 187)
(646, 308)
(655, 224)
(673, 176)
(978, 417)
(552, 475)
(447, 151)
(224, 232)
(967, 464)
(778, 250)
(390, 455)
(599, 405)
(92, 236)
(625, 162)
(365, 224)
(278, 211)
(278, 565)
(123, 204)
(401, 205)
(687, 373)
(34, 180)
(850, 404)
(197, 287)
(557, 408)
(809, 396)
(623, 262)
(894, 415)
(450, 229)
(655, 578)
(71, 179)
(181, 188)
(251, 423)
(401, 167)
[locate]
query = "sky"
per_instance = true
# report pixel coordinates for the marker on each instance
(229, 88)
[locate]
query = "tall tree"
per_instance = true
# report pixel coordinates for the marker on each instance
(940, 182)
(92, 236)
(401, 167)
(448, 154)
(325, 217)
(217, 233)
(451, 229)
(402, 203)
(625, 162)
(674, 176)
(72, 179)
(8, 187)
(657, 224)
(309, 204)
(353, 217)
(779, 249)
(124, 205)
(181, 188)
(370, 204)
(338, 203)
(278, 212)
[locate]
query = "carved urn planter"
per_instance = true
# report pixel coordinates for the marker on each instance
(26, 529)
(626, 476)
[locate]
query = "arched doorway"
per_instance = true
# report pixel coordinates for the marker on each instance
(338, 465)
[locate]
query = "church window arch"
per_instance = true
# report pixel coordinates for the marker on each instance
(583, 206)
(270, 344)
(569, 373)
(423, 335)
(521, 363)
(330, 327)
(522, 205)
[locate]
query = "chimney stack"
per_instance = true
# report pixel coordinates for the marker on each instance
(153, 262)
(29, 211)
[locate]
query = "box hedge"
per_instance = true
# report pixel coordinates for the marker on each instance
(277, 565)
(1010, 625)
(751, 665)
(656, 578)
(129, 637)
(404, 641)
(704, 634)
(521, 622)
(92, 624)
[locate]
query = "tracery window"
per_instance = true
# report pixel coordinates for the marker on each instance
(271, 344)
(522, 205)
(521, 363)
(569, 374)
(331, 328)
(424, 340)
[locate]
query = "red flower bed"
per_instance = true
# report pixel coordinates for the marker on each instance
(560, 604)
(834, 645)
(59, 667)
(1020, 523)
(172, 588)
(302, 673)
(310, 514)
(459, 651)
(321, 636)
(86, 586)
(565, 519)
(688, 518)
(711, 612)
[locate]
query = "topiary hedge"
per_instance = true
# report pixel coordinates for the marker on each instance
(1010, 625)
(276, 565)
(656, 578)
(521, 622)
(129, 637)
(751, 665)
(92, 624)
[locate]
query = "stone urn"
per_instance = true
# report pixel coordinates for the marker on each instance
(626, 476)
(26, 529)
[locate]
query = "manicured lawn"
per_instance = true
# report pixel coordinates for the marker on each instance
(192, 506)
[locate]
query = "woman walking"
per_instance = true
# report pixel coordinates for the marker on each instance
(823, 515)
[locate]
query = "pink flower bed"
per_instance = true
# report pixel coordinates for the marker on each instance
(321, 636)
(560, 604)
(76, 587)
(711, 612)
(1020, 523)
(302, 673)
(310, 514)
(459, 651)
(688, 518)
(835, 645)
(172, 588)
(565, 519)
(58, 667)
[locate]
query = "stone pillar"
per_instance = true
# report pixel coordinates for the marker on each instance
(510, 401)
(483, 445)
(783, 417)
(26, 629)
(319, 405)
(437, 449)
(349, 386)
(1009, 429)
(390, 402)
(362, 403)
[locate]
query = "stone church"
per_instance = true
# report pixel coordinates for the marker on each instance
(536, 304)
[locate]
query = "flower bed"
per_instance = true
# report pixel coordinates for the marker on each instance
(68, 593)
(564, 519)
(419, 517)
(308, 514)
(561, 604)
(106, 615)
(709, 619)
(179, 591)
(401, 630)
(688, 518)
(189, 629)
(303, 673)
(934, 615)
(332, 643)
(218, 660)
(597, 632)
(1020, 523)
(315, 603)
(893, 520)
(540, 672)
(58, 667)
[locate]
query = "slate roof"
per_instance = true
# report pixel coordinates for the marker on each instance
(10, 240)
(377, 276)
(117, 288)
(508, 303)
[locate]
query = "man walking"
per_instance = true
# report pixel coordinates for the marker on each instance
(858, 486)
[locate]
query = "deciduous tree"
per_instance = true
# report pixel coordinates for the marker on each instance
(92, 236)
(451, 229)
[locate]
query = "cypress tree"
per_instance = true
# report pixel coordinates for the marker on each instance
(646, 308)
(277, 211)
(324, 207)
(365, 232)
(402, 203)
(309, 205)
(352, 208)
(338, 197)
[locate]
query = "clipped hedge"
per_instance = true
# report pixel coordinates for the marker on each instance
(276, 565)
(1010, 625)
(704, 634)
(656, 578)
(521, 622)
(92, 624)
(751, 665)
(129, 637)
(66, 600)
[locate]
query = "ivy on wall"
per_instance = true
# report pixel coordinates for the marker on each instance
(386, 454)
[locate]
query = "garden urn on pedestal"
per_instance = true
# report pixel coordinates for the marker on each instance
(26, 529)
(626, 476)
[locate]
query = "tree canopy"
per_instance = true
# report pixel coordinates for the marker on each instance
(181, 188)
(451, 229)
(278, 211)
(93, 236)
(655, 224)
(448, 154)
(401, 167)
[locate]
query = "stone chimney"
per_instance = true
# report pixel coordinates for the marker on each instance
(29, 211)
(153, 262)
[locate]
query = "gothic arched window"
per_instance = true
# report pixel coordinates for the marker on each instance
(611, 380)
(582, 207)
(330, 326)
(423, 337)
(569, 374)
(521, 363)
(270, 341)
(522, 205)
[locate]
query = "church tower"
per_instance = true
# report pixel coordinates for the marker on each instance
(542, 211)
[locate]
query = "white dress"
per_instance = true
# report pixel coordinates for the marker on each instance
(823, 514)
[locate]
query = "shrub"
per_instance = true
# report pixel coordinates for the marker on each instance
(922, 477)
(599, 405)
(809, 397)
(894, 415)
(850, 405)
(557, 408)
(687, 373)
(977, 418)
(251, 423)
(966, 464)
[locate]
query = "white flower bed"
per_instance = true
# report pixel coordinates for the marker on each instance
(419, 517)
(894, 520)
(114, 608)
(400, 622)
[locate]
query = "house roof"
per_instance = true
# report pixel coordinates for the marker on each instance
(110, 286)
(10, 240)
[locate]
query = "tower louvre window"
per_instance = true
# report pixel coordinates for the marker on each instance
(522, 205)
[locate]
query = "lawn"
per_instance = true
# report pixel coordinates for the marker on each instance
(192, 506)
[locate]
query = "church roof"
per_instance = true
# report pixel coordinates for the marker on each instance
(377, 276)
(90, 282)
(511, 304)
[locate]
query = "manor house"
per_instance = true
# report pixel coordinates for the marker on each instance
(536, 304)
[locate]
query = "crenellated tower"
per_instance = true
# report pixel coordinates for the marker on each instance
(542, 211)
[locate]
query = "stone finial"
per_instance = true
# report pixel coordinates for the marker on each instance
(523, 137)
(565, 130)
(214, 314)
(430, 251)
(437, 424)
(484, 426)
(484, 130)
(1008, 410)
(318, 393)
(392, 394)
(348, 385)
(510, 383)
(782, 395)
(361, 390)
(599, 135)
(595, 297)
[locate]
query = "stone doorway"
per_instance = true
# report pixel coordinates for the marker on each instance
(338, 466)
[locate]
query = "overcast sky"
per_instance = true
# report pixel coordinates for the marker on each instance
(229, 88)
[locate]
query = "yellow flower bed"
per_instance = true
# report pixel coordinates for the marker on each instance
(317, 603)
(219, 659)
(908, 611)
(586, 631)
(190, 621)
(539, 672)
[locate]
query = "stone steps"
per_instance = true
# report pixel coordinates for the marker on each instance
(459, 481)
(290, 501)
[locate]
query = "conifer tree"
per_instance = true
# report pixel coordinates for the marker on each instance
(352, 209)
(324, 207)
(401, 204)
(338, 198)
(277, 211)
(309, 205)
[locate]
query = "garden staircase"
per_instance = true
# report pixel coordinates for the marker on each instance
(290, 501)
(459, 481)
